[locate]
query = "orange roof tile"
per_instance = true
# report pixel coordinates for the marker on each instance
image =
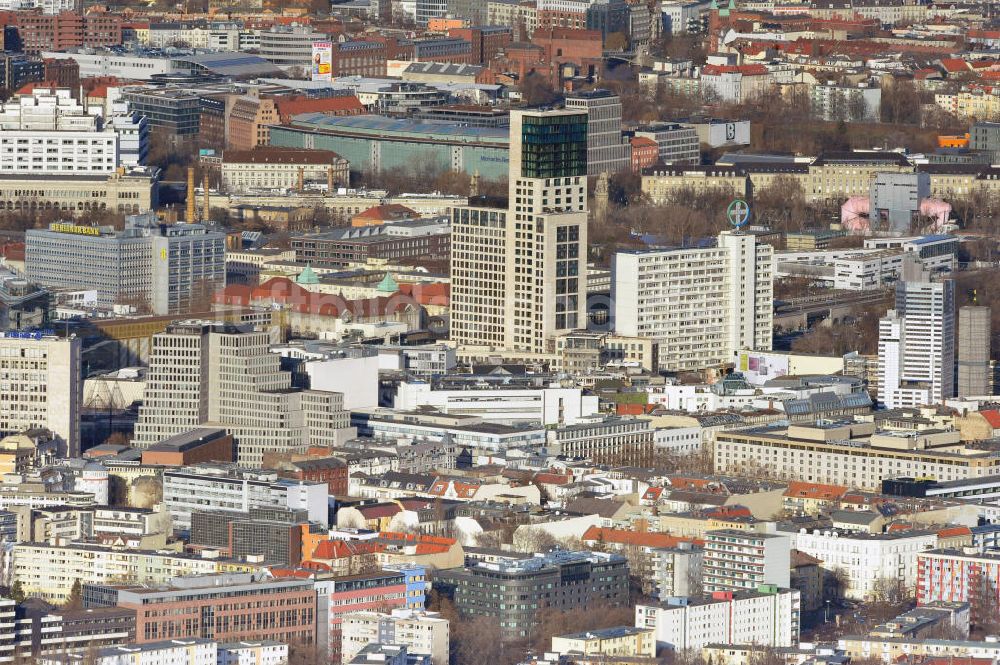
(28, 88)
(954, 65)
(387, 212)
(803, 490)
(330, 550)
(635, 538)
(437, 293)
(992, 417)
(642, 142)
(552, 478)
(290, 106)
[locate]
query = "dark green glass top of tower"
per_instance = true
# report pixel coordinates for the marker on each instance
(554, 146)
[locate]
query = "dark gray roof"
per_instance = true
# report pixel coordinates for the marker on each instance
(227, 63)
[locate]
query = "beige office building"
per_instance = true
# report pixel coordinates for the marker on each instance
(852, 454)
(41, 386)
(126, 191)
(519, 273)
(207, 372)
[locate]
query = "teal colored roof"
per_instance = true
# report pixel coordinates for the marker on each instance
(307, 276)
(388, 284)
(399, 129)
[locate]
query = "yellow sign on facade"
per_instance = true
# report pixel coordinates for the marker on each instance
(73, 228)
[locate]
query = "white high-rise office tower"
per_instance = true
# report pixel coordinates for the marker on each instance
(607, 151)
(41, 386)
(701, 304)
(203, 372)
(519, 272)
(162, 268)
(916, 345)
(974, 332)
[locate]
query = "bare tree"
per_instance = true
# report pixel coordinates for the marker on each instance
(480, 640)
(985, 604)
(533, 539)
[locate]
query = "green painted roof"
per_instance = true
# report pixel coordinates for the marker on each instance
(307, 276)
(388, 284)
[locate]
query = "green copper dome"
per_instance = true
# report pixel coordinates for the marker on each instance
(388, 284)
(307, 276)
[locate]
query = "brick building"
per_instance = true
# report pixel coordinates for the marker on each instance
(487, 41)
(561, 18)
(58, 32)
(230, 607)
(580, 49)
(250, 117)
(553, 52)
(63, 72)
(645, 153)
(205, 444)
(366, 57)
(329, 470)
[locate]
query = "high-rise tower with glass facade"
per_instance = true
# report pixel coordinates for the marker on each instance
(519, 271)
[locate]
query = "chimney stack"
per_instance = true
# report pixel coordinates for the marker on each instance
(206, 201)
(329, 180)
(189, 215)
(302, 179)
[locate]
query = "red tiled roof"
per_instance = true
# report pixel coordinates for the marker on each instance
(388, 212)
(436, 293)
(289, 106)
(463, 490)
(97, 86)
(379, 510)
(642, 142)
(283, 291)
(552, 478)
(633, 409)
(653, 493)
(283, 571)
(804, 490)
(330, 550)
(954, 65)
(28, 88)
(992, 416)
(424, 548)
(954, 531)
